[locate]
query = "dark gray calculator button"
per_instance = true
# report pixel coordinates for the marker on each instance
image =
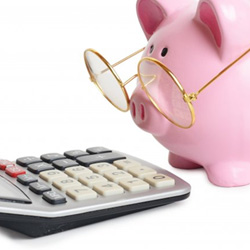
(26, 179)
(95, 158)
(98, 150)
(49, 158)
(37, 168)
(25, 161)
(10, 193)
(73, 154)
(39, 188)
(65, 163)
(54, 198)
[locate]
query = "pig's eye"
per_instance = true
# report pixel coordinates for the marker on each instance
(151, 49)
(164, 52)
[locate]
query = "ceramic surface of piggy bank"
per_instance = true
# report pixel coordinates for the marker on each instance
(196, 43)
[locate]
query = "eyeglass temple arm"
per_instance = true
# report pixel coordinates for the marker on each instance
(223, 71)
(127, 57)
(124, 59)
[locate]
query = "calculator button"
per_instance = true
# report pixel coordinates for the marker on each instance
(39, 188)
(97, 158)
(73, 154)
(91, 179)
(49, 158)
(5, 163)
(63, 164)
(37, 168)
(98, 150)
(134, 185)
(26, 179)
(141, 171)
(117, 175)
(81, 193)
(54, 198)
(108, 189)
(102, 167)
(51, 175)
(64, 183)
(75, 172)
(14, 171)
(160, 180)
(126, 164)
(25, 161)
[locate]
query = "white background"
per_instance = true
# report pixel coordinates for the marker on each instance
(49, 105)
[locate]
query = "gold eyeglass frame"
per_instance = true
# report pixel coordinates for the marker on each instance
(188, 98)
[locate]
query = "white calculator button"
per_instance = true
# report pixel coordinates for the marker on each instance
(91, 179)
(75, 172)
(117, 175)
(102, 167)
(160, 180)
(108, 189)
(64, 183)
(81, 193)
(126, 164)
(134, 185)
(51, 175)
(141, 171)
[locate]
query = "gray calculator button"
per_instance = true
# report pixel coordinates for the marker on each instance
(25, 161)
(26, 179)
(37, 168)
(73, 154)
(10, 193)
(54, 198)
(98, 150)
(96, 158)
(39, 188)
(49, 158)
(64, 163)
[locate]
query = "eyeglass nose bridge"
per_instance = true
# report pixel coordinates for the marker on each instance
(129, 80)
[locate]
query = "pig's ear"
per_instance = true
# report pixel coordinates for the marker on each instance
(152, 13)
(228, 25)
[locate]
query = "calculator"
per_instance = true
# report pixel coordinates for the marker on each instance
(56, 192)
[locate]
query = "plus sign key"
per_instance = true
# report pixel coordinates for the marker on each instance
(96, 158)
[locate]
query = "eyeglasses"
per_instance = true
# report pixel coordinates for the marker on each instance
(158, 82)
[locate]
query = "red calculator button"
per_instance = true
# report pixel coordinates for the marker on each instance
(5, 163)
(14, 171)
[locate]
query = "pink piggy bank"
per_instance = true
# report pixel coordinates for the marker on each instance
(201, 50)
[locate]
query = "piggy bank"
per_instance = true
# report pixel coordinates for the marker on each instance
(204, 48)
(193, 91)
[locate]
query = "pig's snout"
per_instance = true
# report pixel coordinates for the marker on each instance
(144, 114)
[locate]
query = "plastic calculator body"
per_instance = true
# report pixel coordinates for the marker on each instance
(56, 192)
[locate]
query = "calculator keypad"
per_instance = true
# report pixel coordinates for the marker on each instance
(84, 175)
